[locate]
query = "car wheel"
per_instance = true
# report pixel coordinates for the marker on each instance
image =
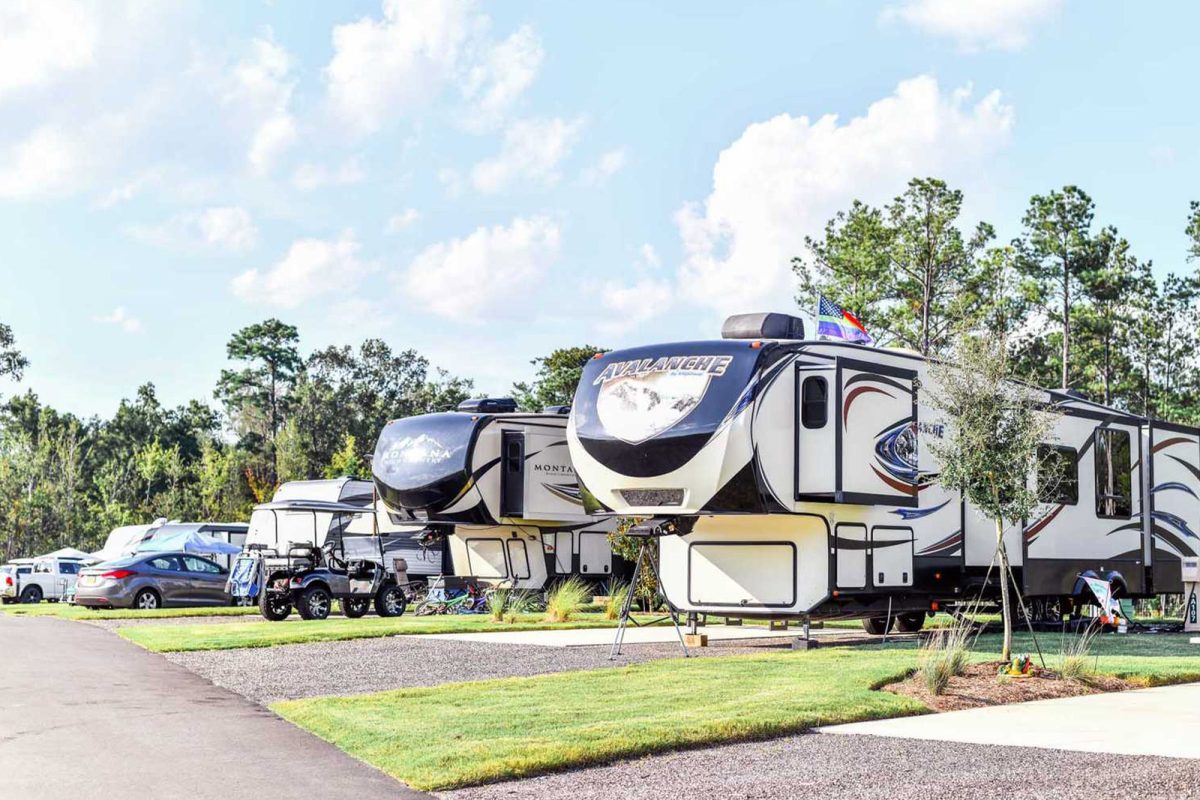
(878, 626)
(910, 623)
(390, 601)
(314, 603)
(31, 594)
(356, 607)
(274, 607)
(146, 600)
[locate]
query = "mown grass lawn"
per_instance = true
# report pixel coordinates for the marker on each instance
(471, 733)
(217, 636)
(66, 611)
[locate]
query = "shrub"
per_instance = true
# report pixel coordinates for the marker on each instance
(616, 598)
(566, 599)
(505, 604)
(943, 655)
(1075, 661)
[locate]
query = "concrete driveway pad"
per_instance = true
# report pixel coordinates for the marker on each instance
(1164, 721)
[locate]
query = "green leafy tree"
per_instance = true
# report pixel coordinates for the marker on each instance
(1193, 231)
(12, 363)
(258, 392)
(347, 462)
(1056, 250)
(990, 453)
(850, 264)
(1108, 286)
(557, 376)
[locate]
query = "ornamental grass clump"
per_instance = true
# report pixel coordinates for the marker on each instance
(943, 655)
(506, 603)
(1076, 662)
(566, 599)
(616, 599)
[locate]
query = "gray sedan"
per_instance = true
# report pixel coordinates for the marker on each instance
(153, 580)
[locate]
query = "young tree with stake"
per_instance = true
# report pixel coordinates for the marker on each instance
(990, 453)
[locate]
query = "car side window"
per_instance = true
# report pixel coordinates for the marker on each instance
(42, 568)
(68, 568)
(165, 562)
(194, 564)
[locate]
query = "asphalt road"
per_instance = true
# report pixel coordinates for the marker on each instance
(84, 714)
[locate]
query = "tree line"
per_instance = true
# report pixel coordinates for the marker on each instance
(1079, 309)
(278, 416)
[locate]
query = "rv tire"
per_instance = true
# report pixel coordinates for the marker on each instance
(274, 609)
(878, 626)
(32, 594)
(910, 623)
(355, 607)
(314, 603)
(390, 601)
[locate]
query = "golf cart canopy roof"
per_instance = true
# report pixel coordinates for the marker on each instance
(325, 506)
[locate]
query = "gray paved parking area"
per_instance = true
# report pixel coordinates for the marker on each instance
(833, 767)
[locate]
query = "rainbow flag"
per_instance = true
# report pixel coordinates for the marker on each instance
(838, 323)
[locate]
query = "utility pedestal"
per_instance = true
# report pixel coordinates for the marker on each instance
(1191, 595)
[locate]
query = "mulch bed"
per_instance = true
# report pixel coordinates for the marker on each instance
(979, 686)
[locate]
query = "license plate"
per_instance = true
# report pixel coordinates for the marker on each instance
(88, 580)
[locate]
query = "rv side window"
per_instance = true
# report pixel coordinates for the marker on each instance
(813, 406)
(1058, 474)
(1114, 490)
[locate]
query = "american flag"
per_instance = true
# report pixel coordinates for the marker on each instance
(837, 323)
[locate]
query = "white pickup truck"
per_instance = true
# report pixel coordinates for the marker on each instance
(48, 578)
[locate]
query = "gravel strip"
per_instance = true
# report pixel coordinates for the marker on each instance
(288, 672)
(861, 768)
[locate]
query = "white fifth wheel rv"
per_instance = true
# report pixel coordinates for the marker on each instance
(796, 479)
(499, 486)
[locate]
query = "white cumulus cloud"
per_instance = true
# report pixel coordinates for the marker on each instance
(46, 162)
(43, 39)
(227, 228)
(388, 66)
(532, 152)
(783, 178)
(309, 176)
(976, 25)
(628, 305)
(261, 86)
(402, 221)
(605, 167)
(472, 278)
(310, 268)
(122, 319)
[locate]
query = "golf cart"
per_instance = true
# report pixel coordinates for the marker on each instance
(299, 555)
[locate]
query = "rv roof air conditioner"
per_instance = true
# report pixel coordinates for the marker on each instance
(489, 405)
(762, 326)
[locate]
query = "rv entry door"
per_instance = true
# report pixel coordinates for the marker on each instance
(814, 463)
(512, 474)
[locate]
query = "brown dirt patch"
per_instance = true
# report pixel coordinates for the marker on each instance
(979, 686)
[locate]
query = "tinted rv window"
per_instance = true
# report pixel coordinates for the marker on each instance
(813, 406)
(1058, 474)
(1114, 490)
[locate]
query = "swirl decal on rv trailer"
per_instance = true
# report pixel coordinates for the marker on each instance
(642, 398)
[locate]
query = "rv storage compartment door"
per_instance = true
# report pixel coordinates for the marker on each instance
(485, 558)
(891, 556)
(851, 555)
(742, 574)
(512, 474)
(563, 551)
(876, 434)
(551, 490)
(518, 556)
(595, 556)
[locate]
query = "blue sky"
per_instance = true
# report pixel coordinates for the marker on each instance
(486, 182)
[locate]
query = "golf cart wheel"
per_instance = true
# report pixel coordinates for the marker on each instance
(32, 594)
(274, 608)
(877, 626)
(390, 601)
(146, 600)
(355, 607)
(314, 603)
(910, 623)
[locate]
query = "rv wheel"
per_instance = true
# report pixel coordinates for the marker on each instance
(878, 626)
(314, 603)
(390, 602)
(32, 594)
(355, 608)
(910, 623)
(275, 608)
